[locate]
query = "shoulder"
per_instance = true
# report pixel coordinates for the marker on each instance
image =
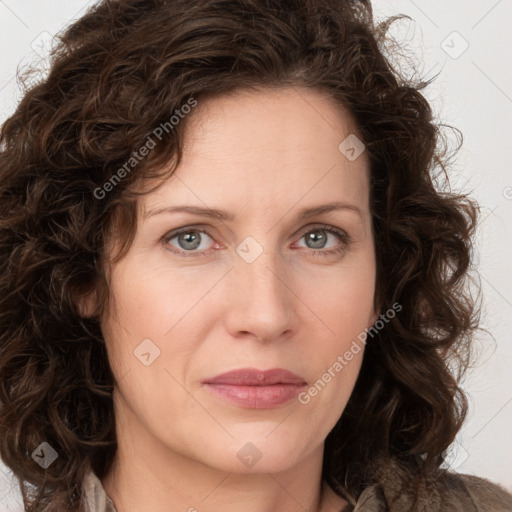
(398, 488)
(470, 493)
(94, 497)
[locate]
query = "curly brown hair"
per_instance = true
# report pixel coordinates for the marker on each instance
(119, 72)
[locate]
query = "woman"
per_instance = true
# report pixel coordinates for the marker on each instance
(228, 280)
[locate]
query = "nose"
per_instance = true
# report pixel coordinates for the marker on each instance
(262, 304)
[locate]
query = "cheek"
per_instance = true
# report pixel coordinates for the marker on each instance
(343, 297)
(152, 298)
(154, 326)
(135, 316)
(344, 305)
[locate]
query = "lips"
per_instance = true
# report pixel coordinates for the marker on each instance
(255, 389)
(253, 377)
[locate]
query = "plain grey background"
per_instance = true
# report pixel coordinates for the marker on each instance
(469, 43)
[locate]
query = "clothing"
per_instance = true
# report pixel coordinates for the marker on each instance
(452, 493)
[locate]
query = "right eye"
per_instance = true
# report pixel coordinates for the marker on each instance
(188, 242)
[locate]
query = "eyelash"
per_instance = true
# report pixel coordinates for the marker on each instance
(344, 237)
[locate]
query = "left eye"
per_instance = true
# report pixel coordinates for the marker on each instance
(319, 241)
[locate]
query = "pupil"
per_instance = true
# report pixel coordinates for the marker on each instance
(317, 239)
(191, 241)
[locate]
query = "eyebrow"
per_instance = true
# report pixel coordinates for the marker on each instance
(223, 215)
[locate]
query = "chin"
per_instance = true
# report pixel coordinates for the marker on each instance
(253, 454)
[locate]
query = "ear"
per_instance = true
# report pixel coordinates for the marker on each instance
(87, 304)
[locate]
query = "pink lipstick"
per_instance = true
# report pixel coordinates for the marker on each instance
(255, 389)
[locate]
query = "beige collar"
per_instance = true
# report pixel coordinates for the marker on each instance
(96, 499)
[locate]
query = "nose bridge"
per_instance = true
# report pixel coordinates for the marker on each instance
(262, 302)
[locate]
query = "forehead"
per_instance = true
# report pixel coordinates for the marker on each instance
(263, 148)
(274, 119)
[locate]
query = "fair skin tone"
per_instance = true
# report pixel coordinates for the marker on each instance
(263, 157)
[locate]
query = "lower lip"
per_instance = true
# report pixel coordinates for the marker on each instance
(256, 397)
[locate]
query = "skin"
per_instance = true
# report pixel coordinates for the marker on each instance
(277, 151)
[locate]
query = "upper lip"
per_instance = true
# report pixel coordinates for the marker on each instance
(254, 377)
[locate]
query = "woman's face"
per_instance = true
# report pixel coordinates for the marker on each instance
(265, 287)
